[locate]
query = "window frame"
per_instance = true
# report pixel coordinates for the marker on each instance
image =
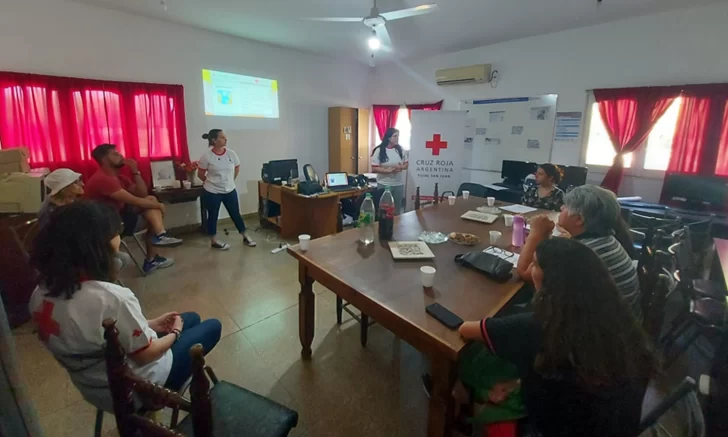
(637, 169)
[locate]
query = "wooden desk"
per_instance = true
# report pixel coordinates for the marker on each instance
(317, 216)
(391, 292)
(721, 248)
(182, 195)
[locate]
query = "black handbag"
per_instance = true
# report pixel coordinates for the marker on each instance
(492, 266)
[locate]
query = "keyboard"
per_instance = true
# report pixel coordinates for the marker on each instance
(340, 189)
(480, 217)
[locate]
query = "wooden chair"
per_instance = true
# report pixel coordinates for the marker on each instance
(225, 410)
(24, 234)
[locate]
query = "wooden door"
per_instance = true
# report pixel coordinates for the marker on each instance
(362, 138)
(342, 140)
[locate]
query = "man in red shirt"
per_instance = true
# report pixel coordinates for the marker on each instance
(131, 200)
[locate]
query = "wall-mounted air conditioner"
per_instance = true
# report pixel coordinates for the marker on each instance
(473, 74)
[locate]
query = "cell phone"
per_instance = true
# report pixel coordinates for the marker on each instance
(444, 316)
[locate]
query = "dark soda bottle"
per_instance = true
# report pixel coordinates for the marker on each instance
(386, 215)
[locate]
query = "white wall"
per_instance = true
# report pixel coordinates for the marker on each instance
(679, 47)
(71, 39)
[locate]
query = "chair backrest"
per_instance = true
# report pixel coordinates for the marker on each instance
(124, 385)
(685, 392)
(476, 190)
(24, 234)
(653, 311)
(650, 225)
(683, 261)
(309, 173)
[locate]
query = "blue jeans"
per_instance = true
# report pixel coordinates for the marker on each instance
(212, 203)
(206, 333)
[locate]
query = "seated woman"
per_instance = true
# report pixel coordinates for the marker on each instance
(583, 360)
(73, 255)
(545, 194)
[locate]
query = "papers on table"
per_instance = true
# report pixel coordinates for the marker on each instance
(518, 209)
(503, 254)
(496, 187)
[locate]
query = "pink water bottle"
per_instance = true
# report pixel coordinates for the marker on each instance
(518, 231)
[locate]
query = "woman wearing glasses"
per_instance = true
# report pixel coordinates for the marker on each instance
(582, 360)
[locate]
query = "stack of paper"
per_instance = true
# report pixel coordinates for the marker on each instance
(518, 209)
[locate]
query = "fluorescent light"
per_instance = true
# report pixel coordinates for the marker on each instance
(374, 43)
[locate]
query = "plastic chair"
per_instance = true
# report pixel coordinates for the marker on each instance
(685, 390)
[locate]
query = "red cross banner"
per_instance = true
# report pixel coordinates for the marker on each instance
(436, 153)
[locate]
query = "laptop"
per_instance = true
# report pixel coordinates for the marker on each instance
(337, 181)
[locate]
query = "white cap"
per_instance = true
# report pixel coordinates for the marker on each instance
(60, 179)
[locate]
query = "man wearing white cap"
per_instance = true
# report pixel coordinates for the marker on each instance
(65, 186)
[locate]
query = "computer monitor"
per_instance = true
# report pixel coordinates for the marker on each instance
(695, 192)
(514, 172)
(337, 180)
(574, 176)
(282, 170)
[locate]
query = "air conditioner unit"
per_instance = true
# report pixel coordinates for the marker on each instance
(473, 74)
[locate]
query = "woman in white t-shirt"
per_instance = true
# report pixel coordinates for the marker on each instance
(76, 292)
(219, 167)
(389, 161)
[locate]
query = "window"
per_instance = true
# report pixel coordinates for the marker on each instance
(404, 126)
(654, 156)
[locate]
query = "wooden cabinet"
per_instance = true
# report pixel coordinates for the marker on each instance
(348, 140)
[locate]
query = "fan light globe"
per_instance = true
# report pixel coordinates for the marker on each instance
(374, 43)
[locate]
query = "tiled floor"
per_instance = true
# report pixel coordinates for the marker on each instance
(345, 390)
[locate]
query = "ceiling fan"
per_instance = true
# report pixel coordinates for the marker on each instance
(376, 21)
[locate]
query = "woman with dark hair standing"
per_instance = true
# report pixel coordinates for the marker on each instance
(389, 161)
(219, 167)
(73, 255)
(545, 194)
(583, 360)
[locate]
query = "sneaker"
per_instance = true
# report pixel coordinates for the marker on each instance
(220, 246)
(164, 240)
(158, 262)
(249, 242)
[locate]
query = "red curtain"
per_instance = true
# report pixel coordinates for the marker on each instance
(629, 114)
(701, 135)
(425, 107)
(689, 139)
(62, 119)
(385, 116)
(721, 167)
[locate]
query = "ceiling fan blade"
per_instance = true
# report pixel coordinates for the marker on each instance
(384, 38)
(411, 12)
(336, 19)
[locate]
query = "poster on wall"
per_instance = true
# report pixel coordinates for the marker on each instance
(436, 153)
(568, 125)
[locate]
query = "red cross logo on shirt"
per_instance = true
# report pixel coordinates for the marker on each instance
(137, 333)
(436, 144)
(44, 320)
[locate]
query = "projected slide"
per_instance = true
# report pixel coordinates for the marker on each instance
(235, 95)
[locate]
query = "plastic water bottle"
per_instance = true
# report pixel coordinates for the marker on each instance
(519, 227)
(386, 215)
(366, 220)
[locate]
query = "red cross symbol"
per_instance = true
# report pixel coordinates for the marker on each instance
(436, 144)
(44, 320)
(136, 333)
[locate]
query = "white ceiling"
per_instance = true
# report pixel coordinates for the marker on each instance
(458, 25)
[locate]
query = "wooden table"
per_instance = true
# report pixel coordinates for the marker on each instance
(317, 216)
(182, 195)
(391, 293)
(721, 248)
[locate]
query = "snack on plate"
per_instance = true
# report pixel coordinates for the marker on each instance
(464, 238)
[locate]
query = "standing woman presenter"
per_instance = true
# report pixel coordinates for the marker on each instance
(219, 167)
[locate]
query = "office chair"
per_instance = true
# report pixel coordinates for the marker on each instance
(310, 174)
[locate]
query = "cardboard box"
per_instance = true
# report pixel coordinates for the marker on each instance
(14, 160)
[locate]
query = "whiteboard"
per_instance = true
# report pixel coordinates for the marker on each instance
(518, 128)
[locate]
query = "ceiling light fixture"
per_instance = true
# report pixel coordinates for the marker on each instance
(374, 42)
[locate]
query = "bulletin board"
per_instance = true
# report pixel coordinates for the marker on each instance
(519, 128)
